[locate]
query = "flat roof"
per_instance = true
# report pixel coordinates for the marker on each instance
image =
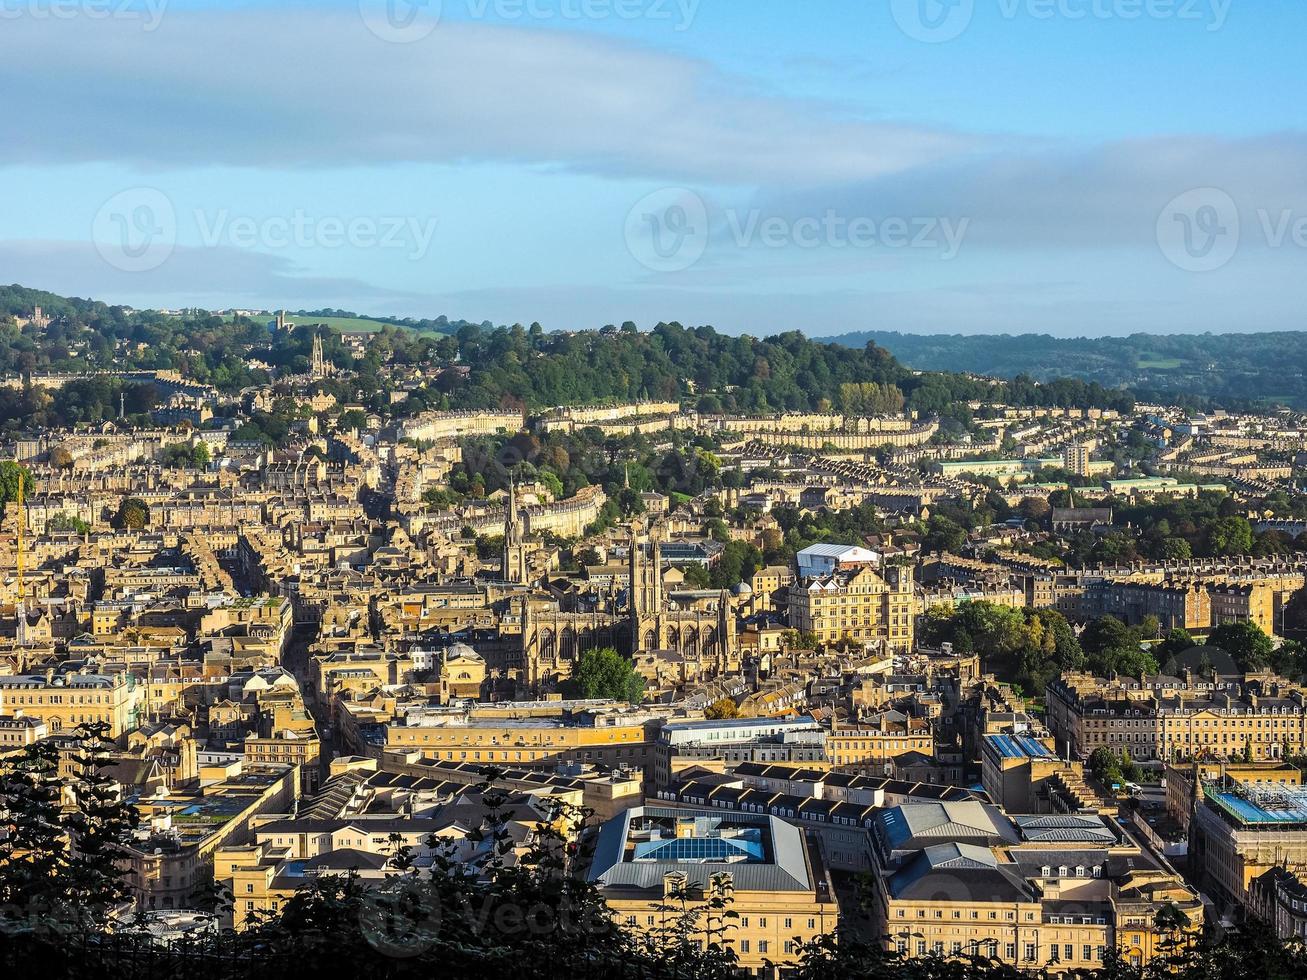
(1278, 806)
(1019, 747)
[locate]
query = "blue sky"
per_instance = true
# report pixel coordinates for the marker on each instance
(1076, 167)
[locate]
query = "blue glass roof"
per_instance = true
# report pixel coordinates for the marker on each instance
(744, 847)
(1250, 812)
(1019, 747)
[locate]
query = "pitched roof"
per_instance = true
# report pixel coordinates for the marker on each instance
(953, 871)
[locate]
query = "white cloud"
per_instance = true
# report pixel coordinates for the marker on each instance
(213, 278)
(314, 89)
(1074, 198)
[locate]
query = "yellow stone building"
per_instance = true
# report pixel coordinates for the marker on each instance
(867, 606)
(1052, 891)
(870, 747)
(523, 741)
(64, 701)
(1169, 718)
(659, 868)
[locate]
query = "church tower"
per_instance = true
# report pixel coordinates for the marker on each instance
(318, 366)
(646, 596)
(514, 565)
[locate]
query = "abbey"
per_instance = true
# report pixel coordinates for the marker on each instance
(655, 621)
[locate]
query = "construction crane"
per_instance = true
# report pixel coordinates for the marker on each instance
(20, 609)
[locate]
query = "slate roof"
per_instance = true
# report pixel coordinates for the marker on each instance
(958, 872)
(786, 871)
(1070, 828)
(914, 826)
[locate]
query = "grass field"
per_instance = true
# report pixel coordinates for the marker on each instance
(1155, 363)
(340, 323)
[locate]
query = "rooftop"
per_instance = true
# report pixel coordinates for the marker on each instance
(1019, 747)
(637, 848)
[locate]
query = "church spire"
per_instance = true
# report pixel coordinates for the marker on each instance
(319, 361)
(514, 565)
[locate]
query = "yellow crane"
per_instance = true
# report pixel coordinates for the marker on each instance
(21, 521)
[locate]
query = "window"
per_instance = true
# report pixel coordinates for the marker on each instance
(762, 946)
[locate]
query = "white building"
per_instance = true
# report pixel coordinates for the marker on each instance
(822, 559)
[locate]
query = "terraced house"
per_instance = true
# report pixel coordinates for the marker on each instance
(1052, 891)
(1160, 717)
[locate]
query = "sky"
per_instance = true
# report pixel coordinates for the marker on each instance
(1071, 167)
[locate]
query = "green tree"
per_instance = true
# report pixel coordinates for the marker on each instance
(604, 673)
(66, 828)
(1250, 647)
(721, 708)
(943, 534)
(1176, 642)
(1106, 767)
(697, 576)
(355, 418)
(133, 514)
(9, 475)
(64, 522)
(1111, 647)
(1176, 549)
(1229, 536)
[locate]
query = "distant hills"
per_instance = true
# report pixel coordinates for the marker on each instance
(1254, 369)
(788, 370)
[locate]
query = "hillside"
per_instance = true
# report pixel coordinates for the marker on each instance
(1232, 369)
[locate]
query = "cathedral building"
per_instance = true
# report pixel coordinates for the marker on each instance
(653, 623)
(696, 625)
(515, 565)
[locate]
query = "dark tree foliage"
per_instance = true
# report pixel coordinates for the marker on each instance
(65, 828)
